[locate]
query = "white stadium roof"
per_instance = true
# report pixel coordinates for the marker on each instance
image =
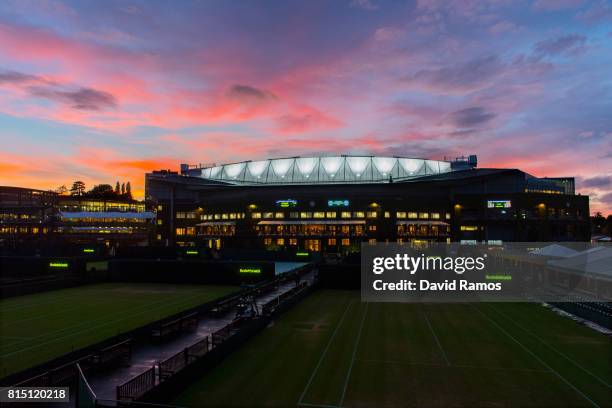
(331, 169)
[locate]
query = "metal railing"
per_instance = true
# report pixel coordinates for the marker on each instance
(137, 386)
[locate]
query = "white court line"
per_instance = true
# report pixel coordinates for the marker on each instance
(552, 348)
(348, 375)
(436, 338)
(331, 339)
(421, 364)
(537, 358)
(13, 337)
(306, 404)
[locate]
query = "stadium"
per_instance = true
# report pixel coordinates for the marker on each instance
(334, 203)
(238, 303)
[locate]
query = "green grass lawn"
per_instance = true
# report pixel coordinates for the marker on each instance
(334, 351)
(39, 327)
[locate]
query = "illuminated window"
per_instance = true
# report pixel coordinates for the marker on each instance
(447, 216)
(346, 242)
(345, 214)
(400, 214)
(268, 215)
(160, 207)
(294, 215)
(279, 215)
(224, 216)
(372, 240)
(267, 241)
(469, 228)
(331, 241)
(372, 228)
(359, 214)
(400, 240)
(319, 214)
(160, 222)
(180, 215)
(280, 241)
(412, 214)
(180, 231)
(256, 215)
(232, 216)
(217, 216)
(292, 241)
(387, 214)
(190, 231)
(330, 214)
(159, 237)
(435, 216)
(372, 214)
(305, 215)
(423, 215)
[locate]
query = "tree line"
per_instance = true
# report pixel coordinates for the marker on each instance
(122, 191)
(601, 225)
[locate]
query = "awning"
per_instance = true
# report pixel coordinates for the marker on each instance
(214, 223)
(313, 222)
(421, 222)
(106, 214)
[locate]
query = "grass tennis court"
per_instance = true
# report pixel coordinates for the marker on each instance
(36, 328)
(334, 351)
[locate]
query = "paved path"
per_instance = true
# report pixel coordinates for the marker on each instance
(146, 354)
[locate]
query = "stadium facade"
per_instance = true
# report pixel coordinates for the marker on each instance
(333, 204)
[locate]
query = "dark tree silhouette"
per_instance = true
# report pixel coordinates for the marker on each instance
(78, 188)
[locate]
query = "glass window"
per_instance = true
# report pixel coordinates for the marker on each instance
(423, 215)
(400, 214)
(292, 241)
(268, 215)
(305, 215)
(359, 214)
(447, 216)
(256, 215)
(330, 214)
(319, 214)
(345, 214)
(160, 222)
(435, 216)
(217, 216)
(294, 215)
(280, 241)
(372, 214)
(412, 214)
(232, 216)
(346, 242)
(331, 241)
(387, 214)
(279, 215)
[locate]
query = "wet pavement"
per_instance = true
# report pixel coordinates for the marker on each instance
(146, 354)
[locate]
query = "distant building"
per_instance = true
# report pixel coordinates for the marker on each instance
(36, 217)
(333, 204)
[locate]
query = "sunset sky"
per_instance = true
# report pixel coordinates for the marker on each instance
(103, 91)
